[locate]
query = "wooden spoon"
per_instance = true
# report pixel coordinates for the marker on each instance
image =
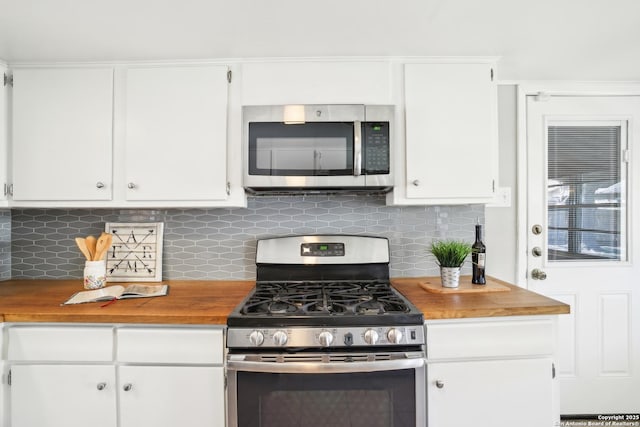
(82, 244)
(91, 245)
(102, 246)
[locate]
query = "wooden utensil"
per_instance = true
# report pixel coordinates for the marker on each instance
(82, 244)
(102, 246)
(91, 245)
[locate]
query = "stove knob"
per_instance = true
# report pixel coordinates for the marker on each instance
(394, 336)
(325, 338)
(370, 336)
(280, 338)
(256, 338)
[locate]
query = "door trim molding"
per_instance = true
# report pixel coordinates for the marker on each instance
(546, 89)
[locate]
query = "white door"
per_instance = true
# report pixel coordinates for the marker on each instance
(583, 242)
(169, 396)
(438, 99)
(176, 137)
(62, 133)
(491, 393)
(63, 396)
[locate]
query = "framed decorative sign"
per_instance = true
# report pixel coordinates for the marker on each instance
(136, 252)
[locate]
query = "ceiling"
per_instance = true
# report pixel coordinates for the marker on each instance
(536, 39)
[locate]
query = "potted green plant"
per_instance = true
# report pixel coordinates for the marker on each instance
(450, 255)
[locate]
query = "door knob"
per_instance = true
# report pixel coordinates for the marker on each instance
(127, 387)
(101, 386)
(536, 229)
(538, 274)
(536, 251)
(440, 384)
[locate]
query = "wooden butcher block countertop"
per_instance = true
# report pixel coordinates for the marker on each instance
(188, 302)
(210, 302)
(515, 302)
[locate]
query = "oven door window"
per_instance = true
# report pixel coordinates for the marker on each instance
(362, 399)
(310, 149)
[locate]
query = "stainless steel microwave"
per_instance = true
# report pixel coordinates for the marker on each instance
(317, 148)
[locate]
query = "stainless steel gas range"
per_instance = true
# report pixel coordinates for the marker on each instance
(324, 339)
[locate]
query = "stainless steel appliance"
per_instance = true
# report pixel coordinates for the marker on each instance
(325, 340)
(317, 148)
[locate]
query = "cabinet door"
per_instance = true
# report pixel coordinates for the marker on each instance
(176, 133)
(316, 82)
(496, 393)
(451, 141)
(169, 396)
(3, 134)
(63, 396)
(62, 134)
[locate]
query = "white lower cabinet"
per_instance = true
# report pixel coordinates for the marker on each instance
(170, 396)
(63, 396)
(491, 393)
(152, 376)
(494, 372)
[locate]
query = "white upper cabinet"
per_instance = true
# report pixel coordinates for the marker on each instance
(176, 133)
(316, 82)
(451, 152)
(4, 82)
(62, 133)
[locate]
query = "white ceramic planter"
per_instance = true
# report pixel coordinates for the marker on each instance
(450, 276)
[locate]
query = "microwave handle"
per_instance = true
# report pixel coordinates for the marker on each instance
(357, 148)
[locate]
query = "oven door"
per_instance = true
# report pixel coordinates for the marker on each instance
(352, 390)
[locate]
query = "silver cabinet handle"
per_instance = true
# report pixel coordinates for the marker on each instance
(127, 387)
(416, 182)
(440, 384)
(131, 185)
(538, 274)
(536, 251)
(101, 386)
(536, 229)
(99, 184)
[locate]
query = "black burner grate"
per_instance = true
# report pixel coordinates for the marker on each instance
(324, 298)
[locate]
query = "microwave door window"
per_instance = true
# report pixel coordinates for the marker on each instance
(318, 155)
(313, 149)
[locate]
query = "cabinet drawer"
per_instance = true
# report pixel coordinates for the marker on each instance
(490, 339)
(44, 343)
(169, 345)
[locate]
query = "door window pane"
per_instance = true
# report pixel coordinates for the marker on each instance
(586, 193)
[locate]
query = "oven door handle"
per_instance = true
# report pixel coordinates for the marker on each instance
(324, 367)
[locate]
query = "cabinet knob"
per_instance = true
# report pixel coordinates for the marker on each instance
(439, 383)
(99, 184)
(416, 182)
(101, 386)
(131, 185)
(127, 387)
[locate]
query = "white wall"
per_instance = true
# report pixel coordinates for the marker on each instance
(501, 222)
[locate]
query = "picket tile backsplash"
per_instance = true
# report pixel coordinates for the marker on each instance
(218, 244)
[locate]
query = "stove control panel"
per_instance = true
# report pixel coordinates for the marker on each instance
(325, 337)
(322, 249)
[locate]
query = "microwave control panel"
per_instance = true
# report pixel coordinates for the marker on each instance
(376, 147)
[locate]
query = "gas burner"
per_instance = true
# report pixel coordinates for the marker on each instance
(331, 298)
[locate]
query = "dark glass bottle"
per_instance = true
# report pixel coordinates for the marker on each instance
(478, 257)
